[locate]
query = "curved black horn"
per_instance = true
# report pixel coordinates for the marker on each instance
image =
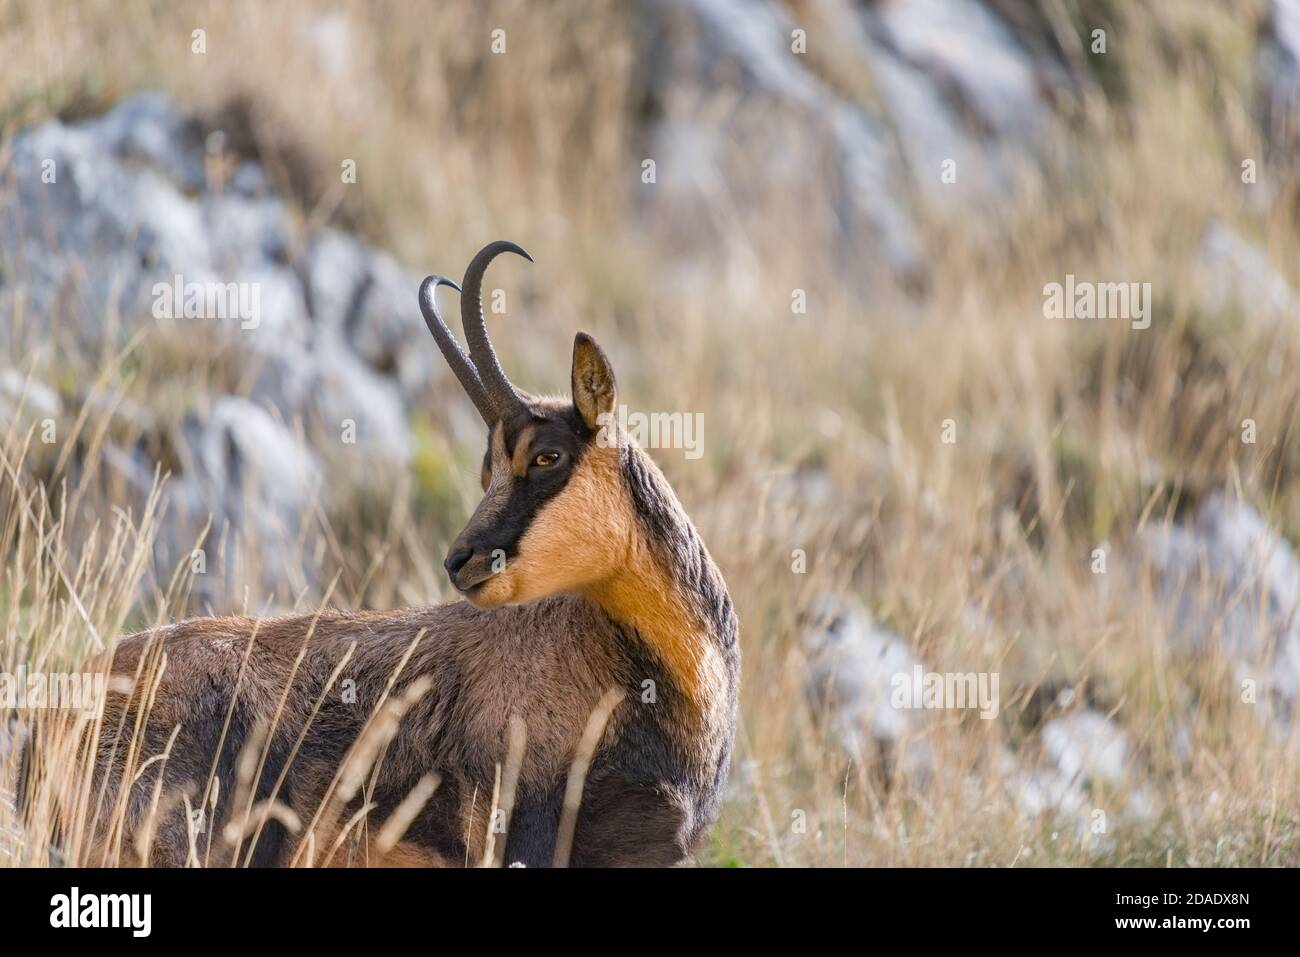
(451, 349)
(499, 391)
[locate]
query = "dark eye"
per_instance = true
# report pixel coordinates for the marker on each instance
(544, 459)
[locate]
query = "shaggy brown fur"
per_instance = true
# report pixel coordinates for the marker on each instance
(606, 587)
(548, 661)
(666, 638)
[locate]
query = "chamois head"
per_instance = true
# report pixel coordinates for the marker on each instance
(555, 515)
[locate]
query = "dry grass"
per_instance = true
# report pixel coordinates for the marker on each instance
(1069, 434)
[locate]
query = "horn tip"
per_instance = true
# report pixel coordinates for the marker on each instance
(505, 245)
(432, 282)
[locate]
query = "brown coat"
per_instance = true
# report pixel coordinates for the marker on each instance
(652, 788)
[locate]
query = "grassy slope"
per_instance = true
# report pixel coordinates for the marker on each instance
(1068, 434)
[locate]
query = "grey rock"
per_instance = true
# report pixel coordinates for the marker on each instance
(1041, 791)
(1278, 72)
(1230, 582)
(246, 231)
(242, 444)
(777, 129)
(346, 389)
(248, 473)
(337, 266)
(971, 57)
(148, 130)
(132, 467)
(1081, 749)
(130, 216)
(956, 86)
(851, 666)
(1237, 275)
(389, 334)
(30, 397)
(369, 301)
(249, 179)
(739, 116)
(1086, 745)
(329, 339)
(72, 244)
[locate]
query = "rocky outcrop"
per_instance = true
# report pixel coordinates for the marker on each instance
(25, 401)
(850, 667)
(1238, 276)
(1277, 66)
(744, 102)
(115, 217)
(119, 223)
(1230, 583)
(1077, 757)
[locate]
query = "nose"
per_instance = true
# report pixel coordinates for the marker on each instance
(456, 560)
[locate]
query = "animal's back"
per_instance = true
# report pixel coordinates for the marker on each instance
(305, 692)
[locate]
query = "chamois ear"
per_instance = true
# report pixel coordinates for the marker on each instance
(594, 390)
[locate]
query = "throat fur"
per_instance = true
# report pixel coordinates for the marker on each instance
(669, 593)
(643, 598)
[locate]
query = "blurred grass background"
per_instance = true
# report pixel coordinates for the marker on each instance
(1070, 434)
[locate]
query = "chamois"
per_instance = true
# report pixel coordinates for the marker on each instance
(588, 591)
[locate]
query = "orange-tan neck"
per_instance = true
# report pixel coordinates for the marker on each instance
(643, 596)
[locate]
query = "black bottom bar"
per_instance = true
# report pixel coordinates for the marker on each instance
(335, 907)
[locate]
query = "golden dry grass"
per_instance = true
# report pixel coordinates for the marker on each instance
(1069, 434)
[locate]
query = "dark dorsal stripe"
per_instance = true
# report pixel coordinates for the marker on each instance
(677, 544)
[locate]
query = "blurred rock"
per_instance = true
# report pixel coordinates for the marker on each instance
(245, 232)
(148, 130)
(1086, 745)
(1278, 72)
(1237, 275)
(110, 221)
(250, 474)
(1044, 790)
(12, 735)
(80, 227)
(1082, 750)
(957, 86)
(851, 664)
(108, 212)
(33, 398)
(365, 297)
(1231, 583)
(241, 445)
(798, 503)
(737, 116)
(130, 466)
(346, 390)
